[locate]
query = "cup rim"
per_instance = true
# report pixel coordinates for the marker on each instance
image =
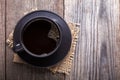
(48, 20)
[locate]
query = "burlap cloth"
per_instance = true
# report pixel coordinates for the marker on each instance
(66, 64)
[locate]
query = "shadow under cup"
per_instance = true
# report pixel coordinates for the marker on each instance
(40, 36)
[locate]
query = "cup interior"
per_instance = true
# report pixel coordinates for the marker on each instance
(40, 36)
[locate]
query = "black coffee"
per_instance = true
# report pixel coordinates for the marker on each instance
(35, 37)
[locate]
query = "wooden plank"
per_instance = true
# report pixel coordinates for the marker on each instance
(2, 40)
(15, 10)
(98, 51)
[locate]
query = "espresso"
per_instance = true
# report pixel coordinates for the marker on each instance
(35, 37)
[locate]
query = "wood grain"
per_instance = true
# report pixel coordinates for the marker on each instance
(2, 40)
(15, 10)
(97, 53)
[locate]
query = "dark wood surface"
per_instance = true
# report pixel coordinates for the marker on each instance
(97, 55)
(2, 40)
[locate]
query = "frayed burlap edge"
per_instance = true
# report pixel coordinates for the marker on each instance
(66, 64)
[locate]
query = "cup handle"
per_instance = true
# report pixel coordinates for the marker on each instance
(18, 48)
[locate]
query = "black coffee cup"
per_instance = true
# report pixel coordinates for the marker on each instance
(42, 38)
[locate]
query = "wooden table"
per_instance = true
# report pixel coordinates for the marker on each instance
(97, 55)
